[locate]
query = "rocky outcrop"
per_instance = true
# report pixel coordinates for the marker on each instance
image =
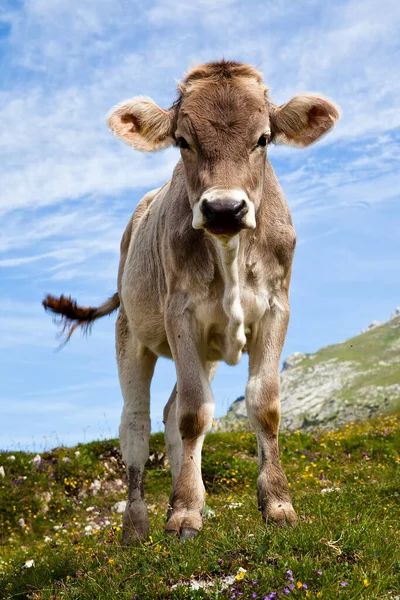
(351, 381)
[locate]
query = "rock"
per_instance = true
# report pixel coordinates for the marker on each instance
(293, 360)
(95, 487)
(119, 507)
(373, 325)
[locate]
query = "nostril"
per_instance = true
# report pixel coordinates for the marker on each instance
(207, 210)
(241, 208)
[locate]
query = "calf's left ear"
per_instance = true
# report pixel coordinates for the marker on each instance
(303, 120)
(142, 124)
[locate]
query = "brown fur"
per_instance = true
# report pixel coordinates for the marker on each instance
(73, 315)
(189, 295)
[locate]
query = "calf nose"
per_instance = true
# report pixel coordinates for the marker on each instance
(224, 216)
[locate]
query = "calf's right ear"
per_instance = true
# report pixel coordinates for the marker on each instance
(142, 124)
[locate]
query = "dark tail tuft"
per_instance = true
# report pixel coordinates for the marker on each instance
(73, 316)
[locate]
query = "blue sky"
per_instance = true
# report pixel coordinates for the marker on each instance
(68, 186)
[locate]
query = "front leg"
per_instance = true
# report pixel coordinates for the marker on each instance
(194, 413)
(263, 408)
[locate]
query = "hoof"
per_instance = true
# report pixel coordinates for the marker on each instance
(184, 524)
(188, 533)
(135, 524)
(282, 513)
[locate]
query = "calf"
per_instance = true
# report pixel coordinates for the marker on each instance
(204, 276)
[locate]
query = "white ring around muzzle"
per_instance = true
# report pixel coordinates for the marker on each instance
(213, 195)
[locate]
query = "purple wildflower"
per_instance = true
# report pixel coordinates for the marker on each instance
(344, 584)
(319, 572)
(286, 591)
(220, 561)
(254, 595)
(254, 582)
(292, 586)
(305, 586)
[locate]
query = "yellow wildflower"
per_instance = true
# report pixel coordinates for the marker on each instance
(240, 574)
(111, 561)
(366, 582)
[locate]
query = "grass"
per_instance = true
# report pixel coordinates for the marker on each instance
(61, 539)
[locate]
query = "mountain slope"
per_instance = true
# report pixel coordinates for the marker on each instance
(350, 381)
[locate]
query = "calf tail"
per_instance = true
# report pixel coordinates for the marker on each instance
(73, 316)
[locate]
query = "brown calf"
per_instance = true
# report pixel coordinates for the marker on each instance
(204, 276)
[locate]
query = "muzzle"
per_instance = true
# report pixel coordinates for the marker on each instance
(224, 212)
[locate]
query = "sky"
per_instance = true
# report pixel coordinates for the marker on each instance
(68, 187)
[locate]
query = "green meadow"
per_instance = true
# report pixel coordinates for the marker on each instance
(61, 536)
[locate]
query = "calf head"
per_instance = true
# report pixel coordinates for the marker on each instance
(223, 122)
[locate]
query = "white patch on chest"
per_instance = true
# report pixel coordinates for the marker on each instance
(235, 337)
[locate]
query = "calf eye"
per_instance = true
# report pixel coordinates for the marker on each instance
(182, 143)
(263, 140)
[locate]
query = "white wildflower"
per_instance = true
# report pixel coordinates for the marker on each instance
(36, 460)
(2, 472)
(235, 504)
(12, 457)
(29, 564)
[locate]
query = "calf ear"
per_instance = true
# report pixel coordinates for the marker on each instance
(302, 121)
(142, 124)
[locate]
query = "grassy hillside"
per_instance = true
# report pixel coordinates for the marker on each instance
(60, 532)
(351, 381)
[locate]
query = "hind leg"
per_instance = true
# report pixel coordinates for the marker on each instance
(136, 367)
